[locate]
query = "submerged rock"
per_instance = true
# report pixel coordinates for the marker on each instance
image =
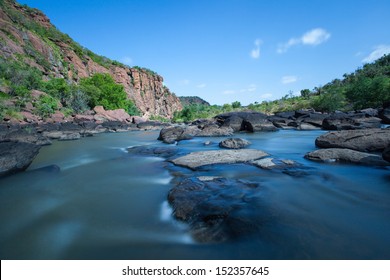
(346, 155)
(16, 156)
(217, 210)
(164, 152)
(198, 159)
(234, 143)
(367, 140)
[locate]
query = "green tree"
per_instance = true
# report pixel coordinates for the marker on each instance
(236, 104)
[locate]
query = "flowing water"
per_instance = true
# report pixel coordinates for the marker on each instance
(107, 204)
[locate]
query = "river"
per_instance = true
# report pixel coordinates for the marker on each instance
(106, 204)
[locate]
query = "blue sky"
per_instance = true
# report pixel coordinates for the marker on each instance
(228, 50)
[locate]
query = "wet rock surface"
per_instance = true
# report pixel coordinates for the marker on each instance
(234, 143)
(217, 210)
(16, 156)
(367, 140)
(198, 159)
(346, 155)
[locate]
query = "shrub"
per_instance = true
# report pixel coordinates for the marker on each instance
(46, 105)
(102, 90)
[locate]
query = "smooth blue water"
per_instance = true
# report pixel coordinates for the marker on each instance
(106, 204)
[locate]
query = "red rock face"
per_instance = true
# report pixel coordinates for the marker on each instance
(144, 88)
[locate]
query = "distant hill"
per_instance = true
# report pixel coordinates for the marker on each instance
(28, 38)
(191, 100)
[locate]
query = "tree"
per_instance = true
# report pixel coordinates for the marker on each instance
(236, 104)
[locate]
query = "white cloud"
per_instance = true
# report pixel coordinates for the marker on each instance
(255, 52)
(229, 92)
(289, 79)
(201, 86)
(378, 52)
(266, 95)
(127, 60)
(313, 37)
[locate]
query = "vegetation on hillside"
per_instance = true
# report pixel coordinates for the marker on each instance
(17, 80)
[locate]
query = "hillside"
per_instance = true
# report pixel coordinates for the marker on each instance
(28, 38)
(192, 100)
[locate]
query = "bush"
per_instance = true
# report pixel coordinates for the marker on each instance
(102, 90)
(46, 106)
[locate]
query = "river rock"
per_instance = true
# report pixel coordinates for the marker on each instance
(271, 163)
(69, 136)
(218, 209)
(16, 156)
(213, 130)
(344, 121)
(198, 159)
(367, 140)
(234, 143)
(346, 155)
(386, 154)
(384, 113)
(172, 134)
(246, 121)
(307, 126)
(27, 134)
(164, 152)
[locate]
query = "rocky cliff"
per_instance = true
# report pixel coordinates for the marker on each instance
(27, 35)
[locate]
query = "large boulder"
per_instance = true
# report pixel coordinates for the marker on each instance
(111, 115)
(164, 152)
(199, 159)
(213, 130)
(384, 113)
(173, 134)
(27, 134)
(351, 121)
(346, 155)
(246, 121)
(16, 156)
(367, 140)
(218, 209)
(234, 143)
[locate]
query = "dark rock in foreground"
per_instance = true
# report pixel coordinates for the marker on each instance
(16, 156)
(386, 154)
(346, 155)
(218, 209)
(234, 143)
(367, 140)
(198, 159)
